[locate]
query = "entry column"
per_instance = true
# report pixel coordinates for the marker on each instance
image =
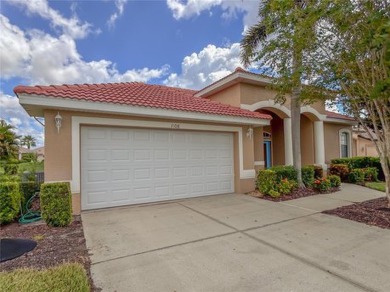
(319, 143)
(288, 155)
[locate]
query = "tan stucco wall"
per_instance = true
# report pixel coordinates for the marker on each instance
(229, 96)
(319, 106)
(58, 147)
(58, 154)
(307, 141)
(363, 147)
(251, 94)
(332, 140)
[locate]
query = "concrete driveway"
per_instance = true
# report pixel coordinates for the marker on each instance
(238, 243)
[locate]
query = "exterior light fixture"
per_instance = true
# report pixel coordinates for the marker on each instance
(249, 132)
(58, 120)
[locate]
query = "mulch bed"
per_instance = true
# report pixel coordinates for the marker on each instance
(296, 194)
(373, 212)
(56, 245)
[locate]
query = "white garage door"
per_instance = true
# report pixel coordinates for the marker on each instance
(122, 166)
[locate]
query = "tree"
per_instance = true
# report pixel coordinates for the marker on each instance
(279, 42)
(340, 50)
(28, 141)
(8, 141)
(353, 59)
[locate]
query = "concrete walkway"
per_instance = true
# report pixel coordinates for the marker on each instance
(238, 243)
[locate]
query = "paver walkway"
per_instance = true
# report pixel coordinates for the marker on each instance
(238, 243)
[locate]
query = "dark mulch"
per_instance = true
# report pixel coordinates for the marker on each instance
(373, 212)
(296, 194)
(56, 245)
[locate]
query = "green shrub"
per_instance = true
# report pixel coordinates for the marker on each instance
(340, 170)
(9, 178)
(308, 175)
(322, 185)
(335, 181)
(285, 172)
(370, 174)
(362, 162)
(285, 186)
(29, 157)
(10, 201)
(266, 181)
(274, 194)
(56, 203)
(11, 168)
(356, 176)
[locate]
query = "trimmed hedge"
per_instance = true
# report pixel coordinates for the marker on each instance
(356, 176)
(285, 172)
(56, 203)
(335, 181)
(362, 162)
(370, 174)
(10, 201)
(266, 181)
(11, 168)
(308, 175)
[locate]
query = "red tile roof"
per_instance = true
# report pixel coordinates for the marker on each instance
(239, 70)
(334, 115)
(140, 94)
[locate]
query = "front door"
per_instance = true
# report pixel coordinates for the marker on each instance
(267, 154)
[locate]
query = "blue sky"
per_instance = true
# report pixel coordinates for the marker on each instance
(179, 43)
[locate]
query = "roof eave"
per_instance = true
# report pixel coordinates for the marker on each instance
(234, 78)
(36, 104)
(341, 121)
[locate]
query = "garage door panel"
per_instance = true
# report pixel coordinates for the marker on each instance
(122, 166)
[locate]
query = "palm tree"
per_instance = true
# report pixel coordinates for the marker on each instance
(278, 40)
(28, 141)
(8, 141)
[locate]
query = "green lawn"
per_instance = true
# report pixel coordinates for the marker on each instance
(379, 186)
(29, 166)
(64, 278)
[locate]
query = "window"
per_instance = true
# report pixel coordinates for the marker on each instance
(344, 144)
(266, 135)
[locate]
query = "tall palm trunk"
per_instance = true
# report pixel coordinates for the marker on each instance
(296, 113)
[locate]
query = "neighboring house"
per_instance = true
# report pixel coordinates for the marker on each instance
(40, 152)
(130, 143)
(362, 144)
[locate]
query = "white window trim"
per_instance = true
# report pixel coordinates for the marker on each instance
(77, 121)
(349, 132)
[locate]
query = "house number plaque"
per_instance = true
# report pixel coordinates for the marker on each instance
(175, 126)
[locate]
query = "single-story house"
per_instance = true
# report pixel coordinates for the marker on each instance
(362, 143)
(40, 152)
(131, 143)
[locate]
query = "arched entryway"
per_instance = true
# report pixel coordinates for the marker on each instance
(270, 143)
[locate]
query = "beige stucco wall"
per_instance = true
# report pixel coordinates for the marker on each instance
(58, 154)
(307, 141)
(229, 96)
(58, 147)
(364, 147)
(332, 140)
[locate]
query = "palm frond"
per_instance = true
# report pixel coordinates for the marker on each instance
(252, 38)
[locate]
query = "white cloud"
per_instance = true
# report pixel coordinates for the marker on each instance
(120, 6)
(14, 114)
(44, 59)
(72, 27)
(190, 8)
(209, 65)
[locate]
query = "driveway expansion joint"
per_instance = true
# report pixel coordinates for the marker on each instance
(300, 259)
(163, 248)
